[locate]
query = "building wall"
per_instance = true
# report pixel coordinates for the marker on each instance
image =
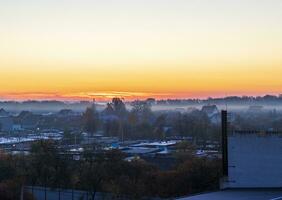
(254, 161)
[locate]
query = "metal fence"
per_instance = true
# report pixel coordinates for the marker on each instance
(41, 193)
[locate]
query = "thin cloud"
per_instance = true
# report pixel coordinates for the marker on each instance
(100, 96)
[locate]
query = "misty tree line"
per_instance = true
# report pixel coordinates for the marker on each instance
(268, 120)
(142, 123)
(57, 105)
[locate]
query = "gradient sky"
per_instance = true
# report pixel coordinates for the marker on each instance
(75, 49)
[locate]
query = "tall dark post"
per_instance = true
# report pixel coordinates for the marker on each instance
(224, 142)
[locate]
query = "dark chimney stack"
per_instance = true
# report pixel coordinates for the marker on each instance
(224, 142)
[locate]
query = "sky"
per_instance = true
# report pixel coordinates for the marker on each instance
(84, 49)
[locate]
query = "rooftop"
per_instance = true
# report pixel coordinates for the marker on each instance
(239, 194)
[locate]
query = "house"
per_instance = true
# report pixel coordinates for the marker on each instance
(66, 113)
(212, 113)
(210, 110)
(27, 120)
(3, 113)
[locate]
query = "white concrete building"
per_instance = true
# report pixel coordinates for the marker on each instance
(254, 160)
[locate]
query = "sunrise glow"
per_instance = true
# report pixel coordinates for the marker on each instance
(79, 50)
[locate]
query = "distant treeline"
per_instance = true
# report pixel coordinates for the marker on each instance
(44, 106)
(53, 105)
(246, 100)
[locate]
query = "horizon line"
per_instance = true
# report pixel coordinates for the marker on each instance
(23, 97)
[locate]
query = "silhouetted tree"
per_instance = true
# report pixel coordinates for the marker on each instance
(119, 107)
(91, 120)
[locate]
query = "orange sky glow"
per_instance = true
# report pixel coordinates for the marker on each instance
(80, 50)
